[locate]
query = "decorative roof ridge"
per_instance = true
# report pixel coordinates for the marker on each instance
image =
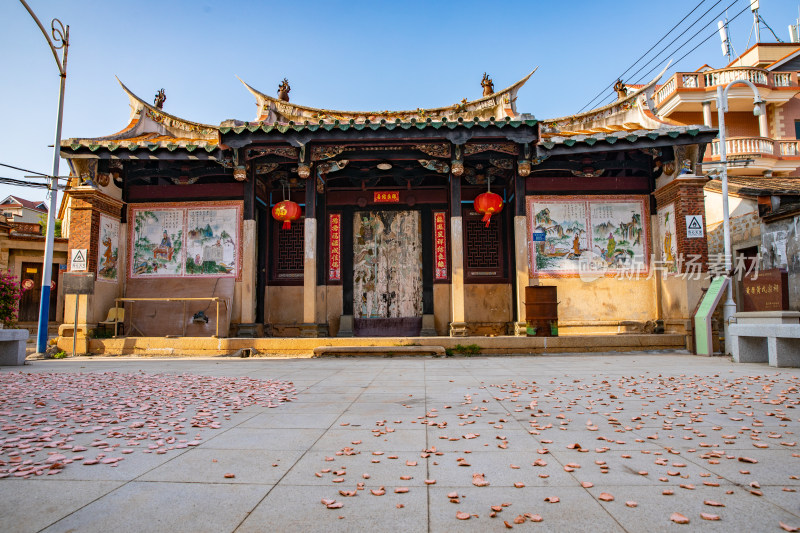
(262, 98)
(627, 100)
(157, 111)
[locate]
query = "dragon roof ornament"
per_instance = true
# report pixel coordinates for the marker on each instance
(595, 117)
(500, 104)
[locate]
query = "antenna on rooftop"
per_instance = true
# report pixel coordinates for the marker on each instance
(757, 26)
(723, 34)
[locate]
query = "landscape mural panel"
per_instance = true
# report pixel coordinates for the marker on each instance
(597, 235)
(157, 242)
(185, 240)
(212, 242)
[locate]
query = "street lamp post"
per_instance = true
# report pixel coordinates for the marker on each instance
(61, 38)
(729, 306)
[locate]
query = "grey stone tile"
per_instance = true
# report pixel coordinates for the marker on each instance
(203, 465)
(33, 504)
(190, 507)
(293, 508)
(241, 438)
(561, 516)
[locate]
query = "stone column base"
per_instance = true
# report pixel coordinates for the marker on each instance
(520, 329)
(458, 329)
(247, 331)
(345, 326)
(312, 331)
(428, 328)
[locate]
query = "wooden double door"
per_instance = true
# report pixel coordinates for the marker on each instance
(31, 282)
(387, 273)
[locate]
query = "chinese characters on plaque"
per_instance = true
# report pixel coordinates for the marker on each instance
(386, 197)
(440, 244)
(335, 248)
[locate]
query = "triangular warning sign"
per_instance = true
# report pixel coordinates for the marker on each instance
(695, 223)
(79, 256)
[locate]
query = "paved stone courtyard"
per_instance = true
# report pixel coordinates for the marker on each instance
(602, 442)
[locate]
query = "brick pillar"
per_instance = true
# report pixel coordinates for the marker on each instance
(86, 206)
(678, 295)
(686, 194)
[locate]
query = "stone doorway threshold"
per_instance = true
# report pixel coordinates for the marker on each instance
(379, 346)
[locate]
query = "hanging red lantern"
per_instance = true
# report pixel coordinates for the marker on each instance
(285, 212)
(488, 204)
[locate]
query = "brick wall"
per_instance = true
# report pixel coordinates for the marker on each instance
(84, 223)
(686, 193)
(743, 228)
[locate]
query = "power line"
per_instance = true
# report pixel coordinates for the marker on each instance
(20, 183)
(651, 48)
(24, 170)
(682, 45)
(646, 74)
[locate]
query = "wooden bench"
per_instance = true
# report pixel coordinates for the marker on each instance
(766, 337)
(358, 351)
(12, 346)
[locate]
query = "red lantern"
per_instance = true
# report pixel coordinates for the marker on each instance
(488, 204)
(286, 211)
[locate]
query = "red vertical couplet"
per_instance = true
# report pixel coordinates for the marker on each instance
(334, 247)
(440, 244)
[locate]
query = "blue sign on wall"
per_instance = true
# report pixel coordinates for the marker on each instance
(539, 236)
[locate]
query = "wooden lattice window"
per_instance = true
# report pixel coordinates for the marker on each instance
(287, 254)
(483, 247)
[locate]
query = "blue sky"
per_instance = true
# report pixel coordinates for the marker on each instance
(350, 55)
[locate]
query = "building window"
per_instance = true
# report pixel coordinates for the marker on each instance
(483, 248)
(287, 264)
(797, 129)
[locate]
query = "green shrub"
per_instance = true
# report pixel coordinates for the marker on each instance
(10, 295)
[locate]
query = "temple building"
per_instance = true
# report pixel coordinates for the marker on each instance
(310, 222)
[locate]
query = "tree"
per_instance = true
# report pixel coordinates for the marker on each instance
(43, 220)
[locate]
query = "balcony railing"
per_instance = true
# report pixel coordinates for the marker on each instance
(788, 148)
(712, 78)
(745, 146)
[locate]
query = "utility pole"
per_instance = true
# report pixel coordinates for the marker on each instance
(61, 38)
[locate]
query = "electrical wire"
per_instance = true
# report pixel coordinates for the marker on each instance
(685, 43)
(651, 48)
(711, 35)
(21, 183)
(25, 170)
(698, 44)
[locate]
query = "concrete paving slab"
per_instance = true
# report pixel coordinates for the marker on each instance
(204, 465)
(173, 490)
(148, 506)
(280, 419)
(264, 439)
(33, 504)
(298, 508)
(742, 511)
(559, 516)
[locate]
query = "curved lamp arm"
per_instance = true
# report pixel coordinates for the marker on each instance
(60, 36)
(722, 94)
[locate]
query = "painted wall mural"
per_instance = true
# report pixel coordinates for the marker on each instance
(667, 245)
(108, 251)
(387, 264)
(594, 235)
(175, 240)
(212, 243)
